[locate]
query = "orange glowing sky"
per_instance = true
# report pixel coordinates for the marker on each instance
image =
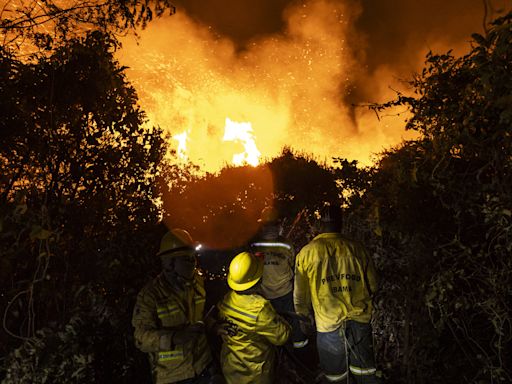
(294, 85)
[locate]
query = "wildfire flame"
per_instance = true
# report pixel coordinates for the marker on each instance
(181, 151)
(242, 132)
(288, 86)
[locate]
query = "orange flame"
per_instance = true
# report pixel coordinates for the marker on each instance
(289, 86)
(182, 145)
(242, 132)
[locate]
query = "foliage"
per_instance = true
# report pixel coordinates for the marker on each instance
(230, 202)
(77, 171)
(443, 203)
(82, 350)
(300, 181)
(48, 23)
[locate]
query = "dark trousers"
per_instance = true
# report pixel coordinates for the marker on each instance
(208, 376)
(203, 378)
(347, 354)
(284, 304)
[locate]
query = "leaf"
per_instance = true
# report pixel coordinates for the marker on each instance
(430, 295)
(43, 234)
(20, 209)
(479, 39)
(414, 173)
(39, 233)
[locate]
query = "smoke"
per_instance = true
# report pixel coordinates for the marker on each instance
(291, 69)
(399, 33)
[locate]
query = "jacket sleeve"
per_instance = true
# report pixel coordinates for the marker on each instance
(272, 326)
(301, 293)
(144, 320)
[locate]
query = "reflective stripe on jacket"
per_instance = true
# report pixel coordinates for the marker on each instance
(248, 356)
(336, 277)
(278, 267)
(160, 308)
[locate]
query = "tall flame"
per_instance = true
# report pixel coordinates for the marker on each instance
(181, 151)
(242, 132)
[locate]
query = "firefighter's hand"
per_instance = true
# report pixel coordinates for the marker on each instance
(165, 341)
(197, 327)
(225, 328)
(307, 325)
(187, 333)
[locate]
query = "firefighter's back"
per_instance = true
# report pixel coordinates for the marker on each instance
(248, 355)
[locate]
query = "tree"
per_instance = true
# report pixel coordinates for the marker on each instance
(443, 203)
(47, 22)
(78, 221)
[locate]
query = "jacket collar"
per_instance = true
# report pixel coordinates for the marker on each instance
(328, 235)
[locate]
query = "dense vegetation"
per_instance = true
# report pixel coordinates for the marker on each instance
(80, 172)
(444, 204)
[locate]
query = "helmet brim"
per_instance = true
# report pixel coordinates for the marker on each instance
(176, 252)
(244, 286)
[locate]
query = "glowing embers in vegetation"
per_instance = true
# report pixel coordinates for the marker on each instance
(243, 133)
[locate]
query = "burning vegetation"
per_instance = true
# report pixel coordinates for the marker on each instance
(287, 86)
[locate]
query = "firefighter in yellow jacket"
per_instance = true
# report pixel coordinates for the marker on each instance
(278, 265)
(248, 355)
(336, 278)
(168, 316)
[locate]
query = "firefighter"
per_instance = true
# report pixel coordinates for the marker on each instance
(248, 355)
(336, 277)
(278, 266)
(168, 316)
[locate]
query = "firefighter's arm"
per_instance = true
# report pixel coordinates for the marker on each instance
(301, 293)
(150, 336)
(147, 333)
(272, 326)
(219, 326)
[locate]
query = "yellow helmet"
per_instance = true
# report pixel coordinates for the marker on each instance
(175, 240)
(245, 271)
(268, 215)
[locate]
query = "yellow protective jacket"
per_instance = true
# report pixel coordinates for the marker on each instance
(248, 356)
(278, 267)
(161, 308)
(336, 277)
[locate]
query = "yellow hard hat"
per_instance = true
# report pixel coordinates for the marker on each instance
(268, 215)
(175, 240)
(245, 271)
